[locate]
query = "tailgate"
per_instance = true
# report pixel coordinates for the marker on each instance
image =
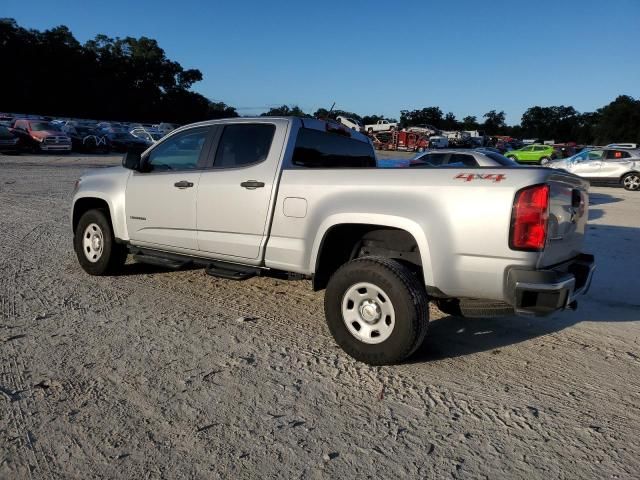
(568, 214)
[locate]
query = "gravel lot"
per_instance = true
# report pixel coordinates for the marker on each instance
(175, 374)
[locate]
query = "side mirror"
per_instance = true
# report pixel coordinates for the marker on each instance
(131, 160)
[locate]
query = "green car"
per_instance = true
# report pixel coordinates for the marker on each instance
(540, 154)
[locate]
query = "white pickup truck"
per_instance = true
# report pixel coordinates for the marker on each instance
(381, 126)
(282, 196)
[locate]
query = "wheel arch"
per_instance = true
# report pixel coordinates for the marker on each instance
(82, 205)
(338, 240)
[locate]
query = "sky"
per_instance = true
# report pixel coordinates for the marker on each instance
(372, 57)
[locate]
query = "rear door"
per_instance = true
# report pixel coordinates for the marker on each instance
(161, 200)
(236, 190)
(613, 164)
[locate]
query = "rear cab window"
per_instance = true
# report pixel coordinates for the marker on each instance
(318, 149)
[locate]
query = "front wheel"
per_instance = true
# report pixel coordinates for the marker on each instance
(544, 160)
(376, 310)
(631, 181)
(95, 246)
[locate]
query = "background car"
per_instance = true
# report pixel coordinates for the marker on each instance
(151, 135)
(9, 142)
(41, 136)
(124, 141)
(605, 165)
(450, 158)
(85, 138)
(539, 154)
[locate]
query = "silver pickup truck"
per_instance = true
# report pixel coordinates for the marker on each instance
(303, 198)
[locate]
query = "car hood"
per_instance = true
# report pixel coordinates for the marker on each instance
(47, 133)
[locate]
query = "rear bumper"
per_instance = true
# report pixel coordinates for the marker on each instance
(541, 292)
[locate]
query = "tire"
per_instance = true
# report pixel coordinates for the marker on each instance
(544, 160)
(631, 181)
(402, 316)
(95, 246)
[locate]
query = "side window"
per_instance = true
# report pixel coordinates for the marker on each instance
(595, 155)
(244, 144)
(318, 149)
(180, 152)
(616, 155)
(462, 159)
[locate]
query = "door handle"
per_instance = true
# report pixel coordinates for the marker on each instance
(252, 184)
(183, 184)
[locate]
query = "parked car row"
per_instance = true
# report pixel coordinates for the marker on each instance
(41, 134)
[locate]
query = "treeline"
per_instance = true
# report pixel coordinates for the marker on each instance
(51, 73)
(619, 121)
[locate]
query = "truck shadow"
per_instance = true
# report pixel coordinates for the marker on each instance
(451, 337)
(614, 297)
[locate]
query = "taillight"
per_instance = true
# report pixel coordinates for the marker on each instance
(529, 218)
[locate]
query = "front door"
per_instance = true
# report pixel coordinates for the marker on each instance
(234, 195)
(161, 200)
(589, 165)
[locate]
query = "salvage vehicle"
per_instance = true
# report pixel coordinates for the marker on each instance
(538, 154)
(613, 166)
(452, 157)
(381, 126)
(300, 197)
(87, 139)
(124, 141)
(9, 141)
(351, 123)
(41, 136)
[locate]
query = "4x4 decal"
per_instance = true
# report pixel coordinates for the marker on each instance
(467, 177)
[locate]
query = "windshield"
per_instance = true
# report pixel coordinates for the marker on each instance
(40, 126)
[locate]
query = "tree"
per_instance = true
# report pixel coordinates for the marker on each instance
(619, 121)
(428, 115)
(324, 113)
(106, 78)
(449, 122)
(470, 123)
(285, 111)
(494, 122)
(221, 110)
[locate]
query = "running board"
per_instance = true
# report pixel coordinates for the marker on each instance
(231, 271)
(160, 261)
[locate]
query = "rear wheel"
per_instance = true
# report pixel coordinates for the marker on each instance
(376, 310)
(631, 181)
(95, 246)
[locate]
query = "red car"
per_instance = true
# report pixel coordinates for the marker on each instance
(41, 136)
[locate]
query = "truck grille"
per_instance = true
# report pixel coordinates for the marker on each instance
(56, 140)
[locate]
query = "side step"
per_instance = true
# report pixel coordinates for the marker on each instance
(231, 271)
(160, 261)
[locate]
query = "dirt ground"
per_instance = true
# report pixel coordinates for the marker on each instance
(175, 374)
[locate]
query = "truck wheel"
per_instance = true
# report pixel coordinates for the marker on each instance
(376, 310)
(631, 181)
(95, 246)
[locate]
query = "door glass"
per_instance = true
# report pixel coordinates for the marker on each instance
(595, 155)
(616, 155)
(180, 152)
(244, 144)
